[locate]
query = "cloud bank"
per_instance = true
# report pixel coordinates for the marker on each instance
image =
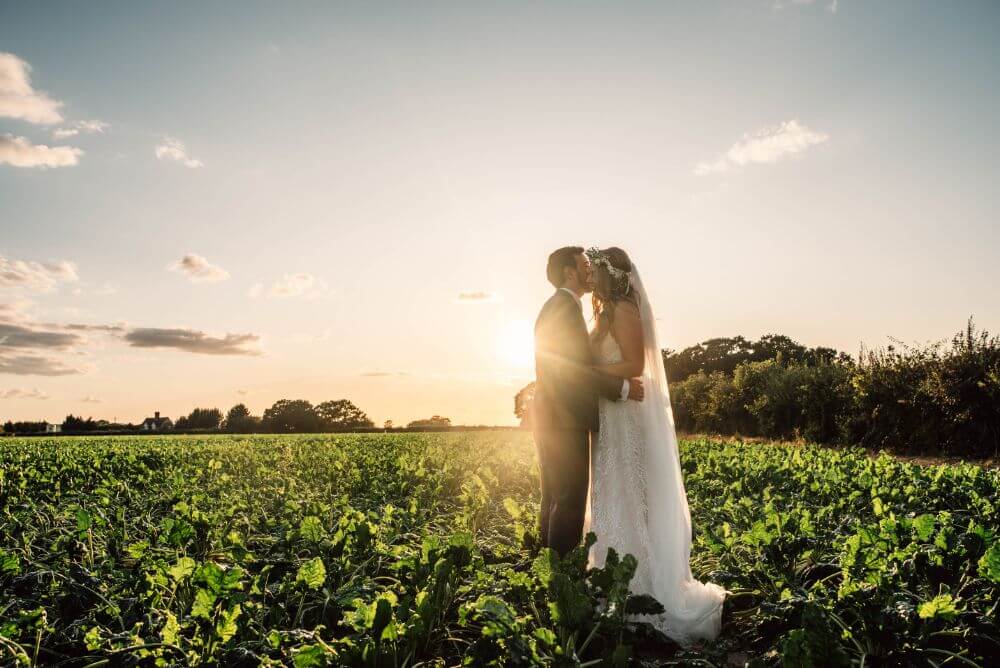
(19, 99)
(765, 146)
(20, 152)
(34, 365)
(192, 341)
(16, 393)
(37, 276)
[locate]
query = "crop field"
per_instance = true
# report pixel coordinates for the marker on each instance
(420, 549)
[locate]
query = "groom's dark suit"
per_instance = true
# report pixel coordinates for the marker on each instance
(564, 413)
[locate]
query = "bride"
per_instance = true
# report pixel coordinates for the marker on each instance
(637, 502)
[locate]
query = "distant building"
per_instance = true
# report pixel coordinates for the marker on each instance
(156, 423)
(52, 428)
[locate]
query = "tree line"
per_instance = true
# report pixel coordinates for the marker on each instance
(284, 416)
(941, 398)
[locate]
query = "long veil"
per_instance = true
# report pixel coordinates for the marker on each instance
(693, 608)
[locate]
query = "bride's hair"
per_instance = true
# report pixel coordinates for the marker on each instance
(610, 290)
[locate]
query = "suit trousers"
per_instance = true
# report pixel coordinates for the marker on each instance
(564, 462)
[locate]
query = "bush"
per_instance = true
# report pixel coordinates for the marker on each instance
(940, 398)
(710, 403)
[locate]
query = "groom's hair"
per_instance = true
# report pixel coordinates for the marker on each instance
(559, 260)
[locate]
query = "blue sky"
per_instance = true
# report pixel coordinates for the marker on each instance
(338, 175)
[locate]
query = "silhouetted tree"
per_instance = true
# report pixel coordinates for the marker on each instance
(24, 427)
(342, 414)
(726, 353)
(238, 419)
(200, 418)
(436, 421)
(287, 415)
(73, 423)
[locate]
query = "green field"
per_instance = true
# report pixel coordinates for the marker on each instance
(419, 549)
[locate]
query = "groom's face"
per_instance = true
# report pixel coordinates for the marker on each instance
(584, 273)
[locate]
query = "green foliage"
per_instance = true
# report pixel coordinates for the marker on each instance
(936, 399)
(342, 414)
(725, 354)
(408, 549)
(200, 418)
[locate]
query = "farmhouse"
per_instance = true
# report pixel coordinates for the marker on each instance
(156, 423)
(52, 428)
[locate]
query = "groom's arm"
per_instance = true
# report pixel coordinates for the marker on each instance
(606, 385)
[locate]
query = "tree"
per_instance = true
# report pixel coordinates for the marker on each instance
(23, 427)
(436, 421)
(200, 418)
(387, 425)
(238, 419)
(726, 353)
(342, 414)
(288, 415)
(73, 423)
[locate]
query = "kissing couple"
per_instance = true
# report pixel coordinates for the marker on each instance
(607, 447)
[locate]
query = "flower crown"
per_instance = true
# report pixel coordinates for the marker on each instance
(621, 283)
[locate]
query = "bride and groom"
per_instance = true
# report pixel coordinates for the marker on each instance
(605, 435)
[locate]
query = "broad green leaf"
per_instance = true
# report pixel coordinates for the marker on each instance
(989, 564)
(311, 529)
(924, 526)
(204, 604)
(182, 568)
(170, 629)
(309, 656)
(941, 606)
(226, 627)
(312, 573)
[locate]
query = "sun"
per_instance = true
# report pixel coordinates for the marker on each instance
(516, 343)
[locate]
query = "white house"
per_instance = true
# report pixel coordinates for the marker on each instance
(156, 423)
(52, 428)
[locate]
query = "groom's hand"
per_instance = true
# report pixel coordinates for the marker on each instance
(635, 391)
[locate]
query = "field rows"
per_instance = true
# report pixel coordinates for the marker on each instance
(420, 549)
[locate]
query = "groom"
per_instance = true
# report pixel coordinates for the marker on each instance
(564, 410)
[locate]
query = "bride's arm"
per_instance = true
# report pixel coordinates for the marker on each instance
(627, 330)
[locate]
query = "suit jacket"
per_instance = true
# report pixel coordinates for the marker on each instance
(567, 385)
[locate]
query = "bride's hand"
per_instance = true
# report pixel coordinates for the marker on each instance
(635, 389)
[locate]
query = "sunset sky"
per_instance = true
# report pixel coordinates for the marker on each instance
(210, 203)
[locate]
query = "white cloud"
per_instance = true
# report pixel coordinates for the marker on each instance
(198, 269)
(765, 146)
(832, 7)
(298, 285)
(20, 152)
(37, 276)
(174, 149)
(86, 127)
(16, 393)
(92, 400)
(18, 99)
(477, 296)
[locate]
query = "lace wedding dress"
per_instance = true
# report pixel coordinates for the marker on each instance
(638, 504)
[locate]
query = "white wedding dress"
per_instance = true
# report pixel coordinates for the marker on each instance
(638, 504)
